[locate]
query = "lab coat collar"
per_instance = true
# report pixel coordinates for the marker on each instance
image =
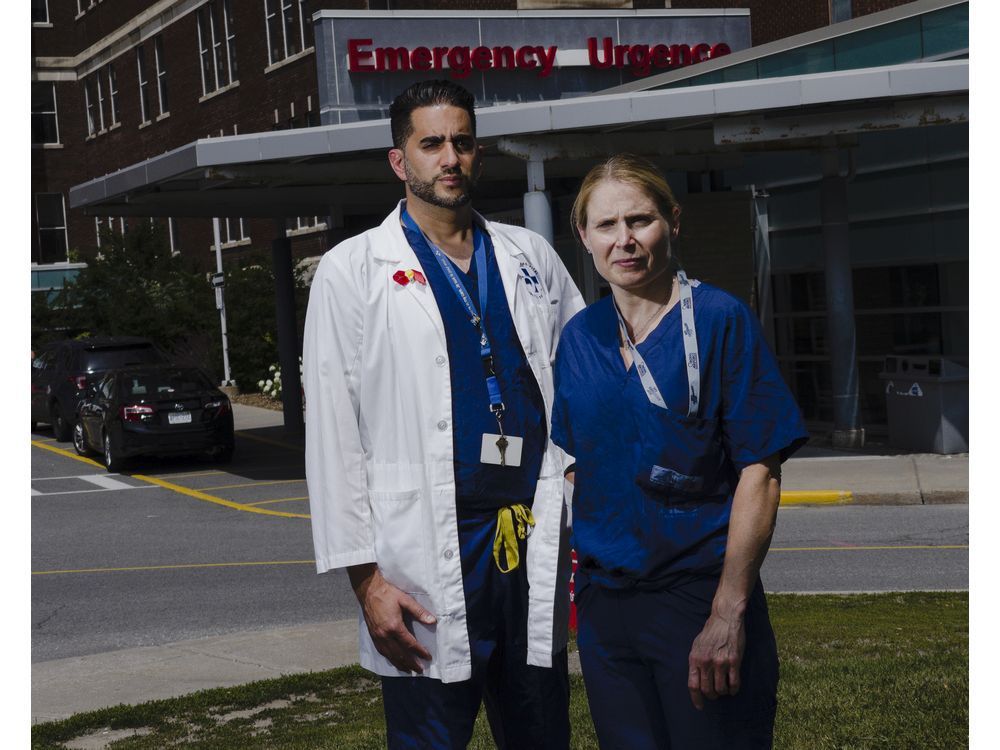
(399, 250)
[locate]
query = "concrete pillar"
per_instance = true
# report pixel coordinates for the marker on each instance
(847, 429)
(537, 204)
(288, 336)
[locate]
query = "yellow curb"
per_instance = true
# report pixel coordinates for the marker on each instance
(816, 497)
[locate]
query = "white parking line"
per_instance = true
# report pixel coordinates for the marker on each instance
(36, 493)
(105, 481)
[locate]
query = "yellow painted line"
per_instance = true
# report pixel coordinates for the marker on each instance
(217, 500)
(173, 567)
(210, 472)
(869, 547)
(269, 441)
(815, 497)
(178, 488)
(281, 500)
(251, 484)
(68, 454)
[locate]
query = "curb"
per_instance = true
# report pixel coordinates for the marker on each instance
(816, 497)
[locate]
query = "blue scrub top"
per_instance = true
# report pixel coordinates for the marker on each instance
(653, 487)
(486, 486)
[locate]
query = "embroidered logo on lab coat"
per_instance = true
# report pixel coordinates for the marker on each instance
(530, 278)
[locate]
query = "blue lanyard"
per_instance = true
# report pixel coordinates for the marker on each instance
(477, 319)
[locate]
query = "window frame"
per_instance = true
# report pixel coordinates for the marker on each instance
(205, 16)
(277, 16)
(143, 78)
(161, 76)
(54, 113)
(88, 106)
(113, 100)
(54, 228)
(48, 18)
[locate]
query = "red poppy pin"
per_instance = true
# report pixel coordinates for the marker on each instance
(405, 277)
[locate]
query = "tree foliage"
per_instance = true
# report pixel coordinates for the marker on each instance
(136, 286)
(251, 320)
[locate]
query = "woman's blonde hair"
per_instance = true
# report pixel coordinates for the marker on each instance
(630, 169)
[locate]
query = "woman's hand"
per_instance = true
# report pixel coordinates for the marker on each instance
(717, 652)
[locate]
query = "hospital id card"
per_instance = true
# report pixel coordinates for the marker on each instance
(501, 450)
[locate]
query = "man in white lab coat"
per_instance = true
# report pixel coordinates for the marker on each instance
(429, 343)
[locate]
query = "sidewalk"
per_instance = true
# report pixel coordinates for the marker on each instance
(63, 687)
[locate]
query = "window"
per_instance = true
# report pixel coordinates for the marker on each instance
(39, 11)
(113, 95)
(161, 75)
(305, 223)
(104, 225)
(88, 100)
(232, 231)
(217, 45)
(44, 123)
(140, 59)
(289, 28)
(50, 215)
(100, 100)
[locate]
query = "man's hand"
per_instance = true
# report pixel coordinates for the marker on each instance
(384, 606)
(715, 658)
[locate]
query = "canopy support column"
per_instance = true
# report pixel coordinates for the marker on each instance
(288, 337)
(847, 429)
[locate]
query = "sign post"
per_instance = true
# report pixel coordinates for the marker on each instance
(219, 283)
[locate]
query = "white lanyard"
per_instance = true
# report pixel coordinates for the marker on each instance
(690, 350)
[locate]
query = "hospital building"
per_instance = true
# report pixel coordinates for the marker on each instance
(819, 150)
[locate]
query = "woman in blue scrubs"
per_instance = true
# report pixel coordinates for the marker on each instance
(678, 418)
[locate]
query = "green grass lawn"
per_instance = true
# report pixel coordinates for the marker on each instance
(858, 671)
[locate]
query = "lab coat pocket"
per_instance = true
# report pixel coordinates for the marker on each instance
(399, 539)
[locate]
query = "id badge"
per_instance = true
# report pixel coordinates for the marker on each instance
(501, 450)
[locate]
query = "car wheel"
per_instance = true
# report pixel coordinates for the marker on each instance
(62, 429)
(113, 460)
(80, 441)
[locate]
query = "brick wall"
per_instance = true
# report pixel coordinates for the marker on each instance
(864, 7)
(771, 20)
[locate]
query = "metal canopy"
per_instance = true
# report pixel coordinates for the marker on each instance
(306, 171)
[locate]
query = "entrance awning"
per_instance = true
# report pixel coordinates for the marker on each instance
(306, 171)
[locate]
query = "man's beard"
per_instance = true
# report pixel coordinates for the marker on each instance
(424, 190)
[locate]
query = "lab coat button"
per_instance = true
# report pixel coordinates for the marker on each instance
(439, 359)
(442, 425)
(448, 554)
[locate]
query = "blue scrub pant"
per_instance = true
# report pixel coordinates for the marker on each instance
(527, 706)
(634, 648)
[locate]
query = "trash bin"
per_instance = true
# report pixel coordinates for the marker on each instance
(927, 401)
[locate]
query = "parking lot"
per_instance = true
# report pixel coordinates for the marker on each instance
(172, 549)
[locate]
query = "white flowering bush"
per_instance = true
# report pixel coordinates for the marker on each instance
(271, 385)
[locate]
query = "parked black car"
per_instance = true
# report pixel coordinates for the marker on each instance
(62, 371)
(154, 410)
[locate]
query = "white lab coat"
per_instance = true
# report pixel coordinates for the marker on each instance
(379, 443)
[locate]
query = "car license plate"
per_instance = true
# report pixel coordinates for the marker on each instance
(179, 417)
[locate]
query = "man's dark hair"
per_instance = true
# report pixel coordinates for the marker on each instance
(426, 94)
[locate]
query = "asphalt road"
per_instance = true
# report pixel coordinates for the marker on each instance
(183, 549)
